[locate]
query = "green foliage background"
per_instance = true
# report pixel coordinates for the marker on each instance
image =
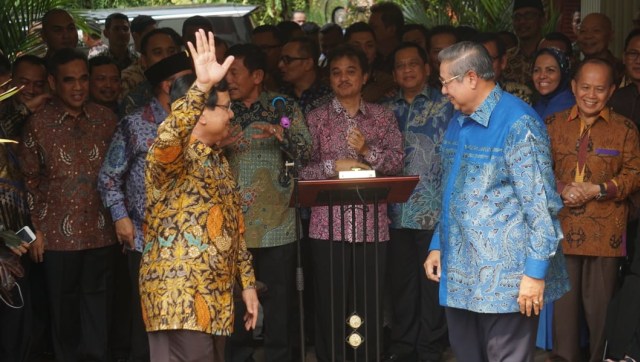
(18, 16)
(484, 15)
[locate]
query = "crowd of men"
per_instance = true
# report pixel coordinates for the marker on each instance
(521, 231)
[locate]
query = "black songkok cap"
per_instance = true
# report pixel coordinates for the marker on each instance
(519, 4)
(168, 67)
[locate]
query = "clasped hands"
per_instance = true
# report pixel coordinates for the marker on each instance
(577, 194)
(355, 140)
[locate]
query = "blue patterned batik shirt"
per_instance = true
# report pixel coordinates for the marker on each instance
(121, 178)
(499, 208)
(422, 123)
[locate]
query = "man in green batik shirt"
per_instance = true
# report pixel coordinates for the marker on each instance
(257, 159)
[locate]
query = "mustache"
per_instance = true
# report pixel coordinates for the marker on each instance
(344, 83)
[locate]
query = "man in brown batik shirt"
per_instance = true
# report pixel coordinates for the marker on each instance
(61, 154)
(597, 166)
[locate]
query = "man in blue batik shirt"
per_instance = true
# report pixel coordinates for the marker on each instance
(418, 329)
(495, 250)
(121, 178)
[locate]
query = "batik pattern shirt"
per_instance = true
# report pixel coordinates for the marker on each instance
(518, 67)
(194, 246)
(499, 208)
(258, 166)
(519, 90)
(422, 124)
(121, 179)
(14, 212)
(329, 126)
(61, 156)
(606, 153)
(131, 76)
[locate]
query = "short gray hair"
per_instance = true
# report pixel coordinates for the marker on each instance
(465, 56)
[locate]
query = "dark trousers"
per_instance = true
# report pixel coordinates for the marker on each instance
(80, 284)
(120, 330)
(491, 337)
(418, 324)
(353, 292)
(623, 321)
(139, 338)
(15, 323)
(274, 267)
(185, 345)
(593, 282)
(41, 345)
(623, 314)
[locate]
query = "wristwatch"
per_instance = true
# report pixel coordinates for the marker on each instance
(603, 192)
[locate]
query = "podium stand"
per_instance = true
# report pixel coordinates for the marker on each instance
(355, 196)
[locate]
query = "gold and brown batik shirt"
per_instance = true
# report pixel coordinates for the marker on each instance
(194, 245)
(607, 152)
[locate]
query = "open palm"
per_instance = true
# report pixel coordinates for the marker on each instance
(208, 71)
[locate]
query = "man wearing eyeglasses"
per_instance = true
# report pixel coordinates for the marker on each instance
(257, 161)
(299, 71)
(495, 249)
(528, 20)
(418, 328)
(121, 180)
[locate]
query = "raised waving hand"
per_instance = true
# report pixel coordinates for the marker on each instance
(208, 71)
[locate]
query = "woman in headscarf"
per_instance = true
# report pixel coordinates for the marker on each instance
(551, 76)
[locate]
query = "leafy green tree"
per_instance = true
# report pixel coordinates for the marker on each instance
(484, 15)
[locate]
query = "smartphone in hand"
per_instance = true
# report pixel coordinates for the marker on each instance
(26, 234)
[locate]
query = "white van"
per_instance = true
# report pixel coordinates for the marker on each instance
(231, 22)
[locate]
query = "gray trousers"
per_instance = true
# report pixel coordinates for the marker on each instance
(490, 337)
(184, 345)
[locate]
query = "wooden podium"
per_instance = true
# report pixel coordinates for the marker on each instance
(358, 196)
(396, 189)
